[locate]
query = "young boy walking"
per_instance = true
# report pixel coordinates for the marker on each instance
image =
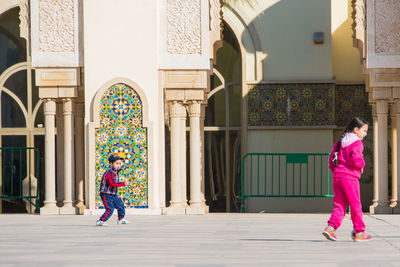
(109, 191)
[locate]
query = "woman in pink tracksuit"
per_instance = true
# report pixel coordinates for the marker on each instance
(346, 162)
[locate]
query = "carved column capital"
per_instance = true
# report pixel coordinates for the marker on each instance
(67, 106)
(176, 109)
(394, 109)
(49, 107)
(194, 108)
(382, 107)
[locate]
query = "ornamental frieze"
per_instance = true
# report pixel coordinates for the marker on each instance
(184, 27)
(387, 26)
(56, 25)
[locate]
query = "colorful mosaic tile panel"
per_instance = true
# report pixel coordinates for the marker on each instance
(291, 104)
(351, 101)
(121, 131)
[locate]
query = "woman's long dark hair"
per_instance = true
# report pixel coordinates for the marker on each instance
(356, 122)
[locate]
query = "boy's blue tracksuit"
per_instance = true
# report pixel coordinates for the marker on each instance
(109, 194)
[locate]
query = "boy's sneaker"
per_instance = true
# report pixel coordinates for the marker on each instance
(100, 223)
(361, 237)
(329, 233)
(123, 221)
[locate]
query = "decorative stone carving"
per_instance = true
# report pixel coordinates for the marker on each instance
(359, 25)
(216, 27)
(177, 109)
(184, 27)
(194, 108)
(56, 25)
(387, 26)
(24, 19)
(215, 15)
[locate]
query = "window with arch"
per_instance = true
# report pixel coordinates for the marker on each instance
(222, 125)
(21, 112)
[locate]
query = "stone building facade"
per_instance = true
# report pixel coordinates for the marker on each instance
(184, 89)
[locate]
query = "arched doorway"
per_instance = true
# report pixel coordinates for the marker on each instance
(21, 118)
(222, 127)
(121, 131)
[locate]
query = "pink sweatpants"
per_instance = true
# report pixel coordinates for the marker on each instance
(346, 191)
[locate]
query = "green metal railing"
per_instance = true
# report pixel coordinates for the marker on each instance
(284, 175)
(20, 174)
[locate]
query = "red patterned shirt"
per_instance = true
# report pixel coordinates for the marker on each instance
(110, 182)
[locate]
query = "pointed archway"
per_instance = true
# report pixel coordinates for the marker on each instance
(121, 131)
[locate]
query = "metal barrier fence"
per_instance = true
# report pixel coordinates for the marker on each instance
(285, 175)
(20, 174)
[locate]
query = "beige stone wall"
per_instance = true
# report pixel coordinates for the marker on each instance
(287, 44)
(121, 44)
(124, 48)
(346, 61)
(290, 141)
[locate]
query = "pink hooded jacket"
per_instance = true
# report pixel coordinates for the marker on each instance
(350, 159)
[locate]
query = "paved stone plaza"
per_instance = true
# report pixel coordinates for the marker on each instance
(208, 240)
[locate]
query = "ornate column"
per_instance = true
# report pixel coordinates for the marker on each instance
(79, 159)
(394, 115)
(396, 191)
(57, 57)
(52, 86)
(68, 144)
(196, 206)
(184, 62)
(382, 114)
(176, 112)
(381, 183)
(194, 83)
(203, 186)
(60, 154)
(375, 158)
(49, 207)
(182, 155)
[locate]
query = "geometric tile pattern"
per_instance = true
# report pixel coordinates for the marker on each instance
(296, 104)
(351, 101)
(121, 131)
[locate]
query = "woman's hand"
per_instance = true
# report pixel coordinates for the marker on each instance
(126, 183)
